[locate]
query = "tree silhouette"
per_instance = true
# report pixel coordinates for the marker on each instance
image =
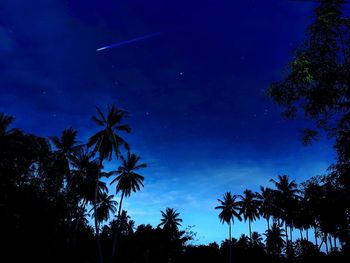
(128, 181)
(256, 240)
(249, 208)
(266, 202)
(170, 220)
(274, 240)
(66, 147)
(106, 142)
(286, 200)
(106, 205)
(229, 210)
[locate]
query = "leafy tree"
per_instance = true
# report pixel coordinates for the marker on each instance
(318, 79)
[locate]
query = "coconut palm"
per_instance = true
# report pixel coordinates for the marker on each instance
(85, 169)
(106, 206)
(128, 180)
(286, 198)
(314, 194)
(256, 240)
(229, 210)
(126, 225)
(266, 201)
(170, 220)
(274, 240)
(66, 146)
(249, 208)
(106, 142)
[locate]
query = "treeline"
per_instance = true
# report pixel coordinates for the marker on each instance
(317, 211)
(50, 187)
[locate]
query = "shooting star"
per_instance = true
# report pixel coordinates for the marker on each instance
(129, 41)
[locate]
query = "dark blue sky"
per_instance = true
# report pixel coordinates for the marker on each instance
(196, 92)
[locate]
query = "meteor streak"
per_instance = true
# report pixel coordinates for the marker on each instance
(129, 41)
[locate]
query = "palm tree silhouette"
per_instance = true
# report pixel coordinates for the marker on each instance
(85, 169)
(256, 240)
(106, 206)
(128, 181)
(66, 148)
(229, 210)
(313, 194)
(106, 142)
(170, 220)
(274, 240)
(266, 201)
(126, 225)
(286, 199)
(249, 208)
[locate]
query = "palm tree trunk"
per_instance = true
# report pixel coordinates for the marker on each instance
(307, 234)
(230, 242)
(330, 242)
(315, 232)
(291, 233)
(268, 223)
(326, 243)
(250, 229)
(301, 234)
(100, 256)
(286, 230)
(116, 235)
(335, 243)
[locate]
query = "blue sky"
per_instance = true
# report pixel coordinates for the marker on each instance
(196, 92)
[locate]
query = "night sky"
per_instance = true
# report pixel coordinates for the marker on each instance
(195, 92)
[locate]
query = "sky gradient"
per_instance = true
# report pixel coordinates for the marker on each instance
(196, 92)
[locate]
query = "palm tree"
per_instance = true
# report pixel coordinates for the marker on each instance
(256, 240)
(249, 208)
(128, 181)
(106, 142)
(84, 171)
(126, 225)
(266, 201)
(229, 210)
(286, 199)
(314, 195)
(106, 205)
(66, 148)
(170, 220)
(274, 240)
